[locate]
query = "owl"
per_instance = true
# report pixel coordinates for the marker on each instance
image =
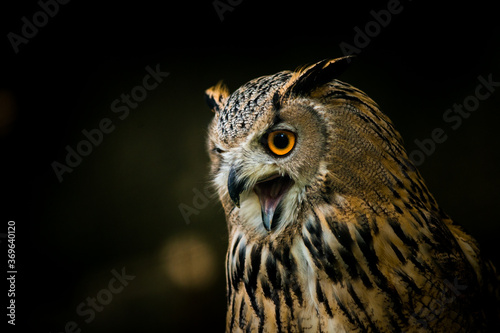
(331, 227)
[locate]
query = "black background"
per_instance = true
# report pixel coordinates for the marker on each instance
(120, 206)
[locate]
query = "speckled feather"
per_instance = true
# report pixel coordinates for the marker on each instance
(360, 244)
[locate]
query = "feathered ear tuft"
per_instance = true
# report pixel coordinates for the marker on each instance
(216, 96)
(318, 74)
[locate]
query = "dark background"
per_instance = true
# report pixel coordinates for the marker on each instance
(119, 208)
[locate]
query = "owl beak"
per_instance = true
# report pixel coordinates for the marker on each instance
(270, 191)
(235, 185)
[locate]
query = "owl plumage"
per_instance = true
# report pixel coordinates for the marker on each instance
(331, 227)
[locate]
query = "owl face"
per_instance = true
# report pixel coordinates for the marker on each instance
(279, 139)
(266, 172)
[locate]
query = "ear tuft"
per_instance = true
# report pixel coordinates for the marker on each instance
(216, 96)
(318, 74)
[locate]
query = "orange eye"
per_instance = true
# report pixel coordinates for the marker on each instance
(281, 142)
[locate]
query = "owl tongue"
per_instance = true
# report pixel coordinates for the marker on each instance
(270, 193)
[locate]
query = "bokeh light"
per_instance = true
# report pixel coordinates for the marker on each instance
(189, 261)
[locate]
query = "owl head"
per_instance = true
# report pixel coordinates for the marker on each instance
(296, 138)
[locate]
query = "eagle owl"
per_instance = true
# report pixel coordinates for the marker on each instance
(331, 227)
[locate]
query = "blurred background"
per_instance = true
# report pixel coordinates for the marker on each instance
(138, 204)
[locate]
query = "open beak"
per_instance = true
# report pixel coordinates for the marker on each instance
(270, 191)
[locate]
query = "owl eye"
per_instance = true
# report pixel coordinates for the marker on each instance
(217, 150)
(281, 142)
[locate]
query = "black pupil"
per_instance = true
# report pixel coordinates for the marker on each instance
(280, 141)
